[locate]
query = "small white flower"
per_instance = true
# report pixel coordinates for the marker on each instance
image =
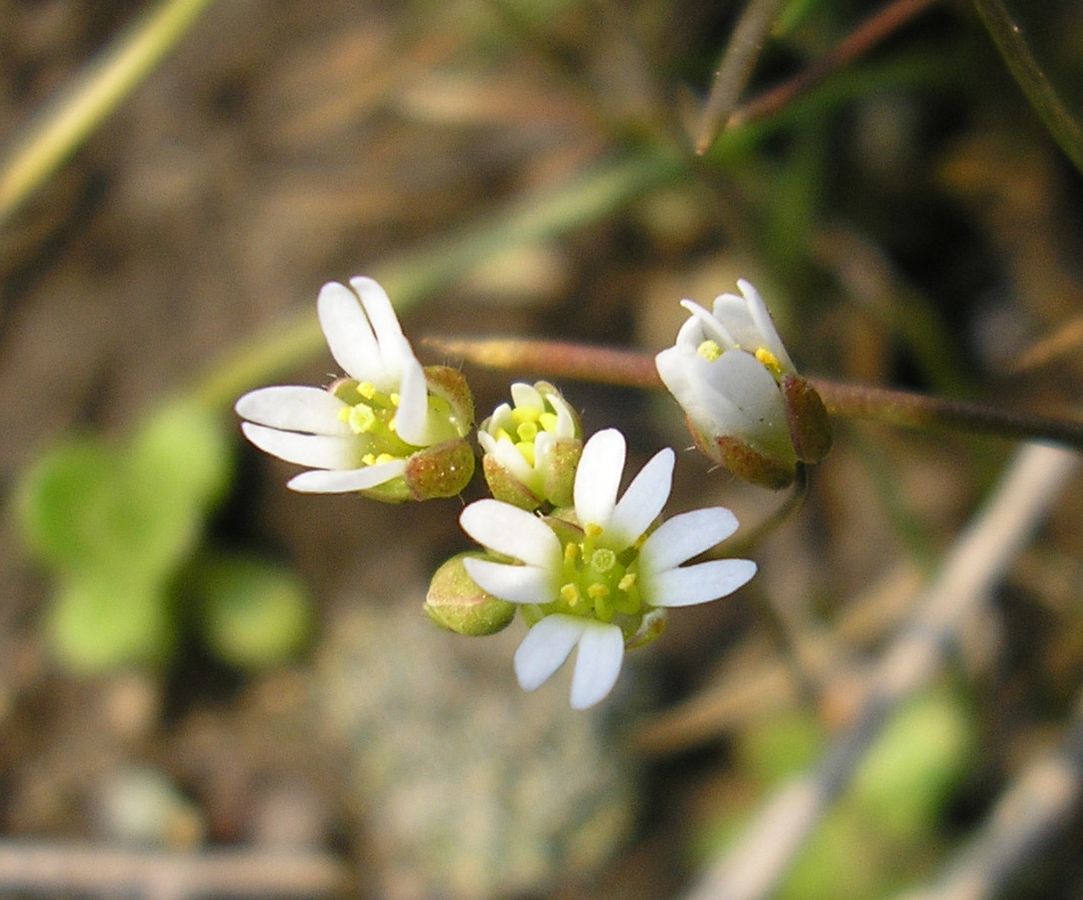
(724, 371)
(596, 582)
(358, 434)
(532, 444)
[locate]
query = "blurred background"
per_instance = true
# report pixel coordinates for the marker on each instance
(210, 685)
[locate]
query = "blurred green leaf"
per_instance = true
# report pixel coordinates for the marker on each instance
(911, 770)
(782, 745)
(254, 613)
(99, 624)
(63, 502)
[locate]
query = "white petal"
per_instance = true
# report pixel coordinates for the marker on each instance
(341, 481)
(642, 501)
(712, 325)
(349, 334)
(700, 583)
(294, 409)
(597, 664)
(761, 318)
(525, 395)
(679, 539)
(545, 648)
(319, 451)
(381, 316)
(516, 584)
(690, 334)
(512, 531)
(598, 477)
(752, 390)
(411, 418)
(509, 457)
(565, 420)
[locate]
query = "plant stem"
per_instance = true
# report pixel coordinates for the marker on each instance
(1009, 40)
(633, 368)
(96, 91)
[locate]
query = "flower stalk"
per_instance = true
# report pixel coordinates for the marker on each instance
(632, 368)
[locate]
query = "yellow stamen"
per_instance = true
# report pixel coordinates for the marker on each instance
(627, 582)
(344, 413)
(597, 591)
(709, 350)
(369, 459)
(548, 421)
(366, 389)
(569, 593)
(525, 414)
(528, 452)
(571, 551)
(395, 398)
(592, 531)
(769, 360)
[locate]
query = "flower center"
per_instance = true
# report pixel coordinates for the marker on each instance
(372, 418)
(597, 582)
(523, 426)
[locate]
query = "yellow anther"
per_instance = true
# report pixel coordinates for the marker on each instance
(627, 582)
(525, 414)
(527, 450)
(548, 421)
(571, 551)
(394, 398)
(709, 350)
(527, 431)
(366, 389)
(769, 359)
(369, 459)
(592, 531)
(569, 593)
(344, 413)
(597, 591)
(385, 458)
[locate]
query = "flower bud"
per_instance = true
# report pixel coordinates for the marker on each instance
(456, 603)
(746, 406)
(532, 447)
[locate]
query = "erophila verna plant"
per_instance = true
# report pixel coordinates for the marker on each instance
(589, 567)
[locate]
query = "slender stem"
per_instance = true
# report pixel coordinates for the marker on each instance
(632, 368)
(856, 44)
(735, 68)
(1013, 47)
(95, 92)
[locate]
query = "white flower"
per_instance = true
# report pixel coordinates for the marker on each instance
(360, 433)
(532, 444)
(596, 582)
(724, 371)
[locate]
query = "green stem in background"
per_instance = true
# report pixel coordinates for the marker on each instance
(435, 266)
(96, 91)
(1009, 40)
(735, 68)
(633, 368)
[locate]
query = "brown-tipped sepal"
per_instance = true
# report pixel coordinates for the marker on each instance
(809, 423)
(750, 464)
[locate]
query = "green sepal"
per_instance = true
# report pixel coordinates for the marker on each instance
(455, 601)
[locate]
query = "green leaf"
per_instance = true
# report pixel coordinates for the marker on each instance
(63, 503)
(96, 624)
(255, 614)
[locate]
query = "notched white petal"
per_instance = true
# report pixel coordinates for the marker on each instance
(411, 418)
(700, 583)
(642, 501)
(306, 409)
(597, 477)
(378, 309)
(516, 584)
(317, 451)
(343, 481)
(597, 664)
(545, 648)
(348, 332)
(686, 535)
(511, 531)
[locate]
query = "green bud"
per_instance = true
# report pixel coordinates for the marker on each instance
(456, 603)
(442, 470)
